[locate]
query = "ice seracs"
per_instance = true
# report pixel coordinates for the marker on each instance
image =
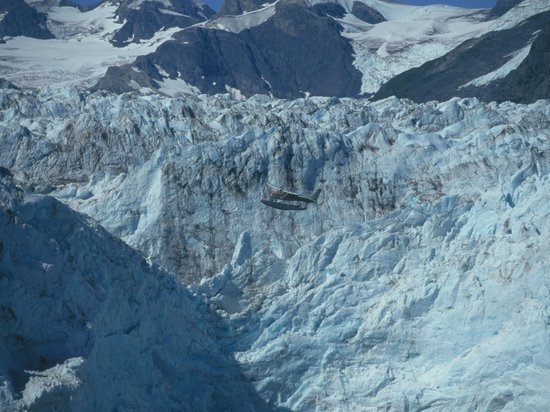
(418, 281)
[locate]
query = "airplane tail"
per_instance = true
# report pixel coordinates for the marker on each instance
(315, 195)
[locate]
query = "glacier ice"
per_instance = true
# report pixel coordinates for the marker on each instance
(419, 281)
(181, 178)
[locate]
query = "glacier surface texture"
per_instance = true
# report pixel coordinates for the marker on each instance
(418, 282)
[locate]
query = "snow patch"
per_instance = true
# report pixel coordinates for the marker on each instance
(519, 13)
(44, 382)
(177, 87)
(411, 36)
(136, 4)
(416, 34)
(173, 13)
(235, 93)
(70, 22)
(161, 71)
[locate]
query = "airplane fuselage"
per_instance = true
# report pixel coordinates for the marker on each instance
(278, 194)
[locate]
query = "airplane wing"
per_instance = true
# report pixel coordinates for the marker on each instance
(282, 205)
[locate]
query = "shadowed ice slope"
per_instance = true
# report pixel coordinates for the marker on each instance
(86, 324)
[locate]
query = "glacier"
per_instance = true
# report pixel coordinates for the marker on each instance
(173, 176)
(419, 281)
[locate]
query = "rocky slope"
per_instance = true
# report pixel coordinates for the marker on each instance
(80, 45)
(286, 55)
(286, 49)
(501, 65)
(236, 7)
(529, 82)
(503, 6)
(297, 48)
(19, 19)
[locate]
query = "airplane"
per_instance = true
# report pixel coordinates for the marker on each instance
(282, 205)
(277, 199)
(280, 194)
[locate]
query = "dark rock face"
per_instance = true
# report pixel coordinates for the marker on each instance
(329, 9)
(366, 13)
(441, 79)
(22, 20)
(151, 16)
(294, 52)
(84, 7)
(118, 79)
(502, 7)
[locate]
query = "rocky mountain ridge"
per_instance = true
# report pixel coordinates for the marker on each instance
(143, 19)
(286, 49)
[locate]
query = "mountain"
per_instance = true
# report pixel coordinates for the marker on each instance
(87, 324)
(19, 19)
(501, 65)
(280, 48)
(288, 48)
(284, 53)
(44, 6)
(236, 7)
(529, 82)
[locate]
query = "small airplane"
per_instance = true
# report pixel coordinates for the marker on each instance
(278, 197)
